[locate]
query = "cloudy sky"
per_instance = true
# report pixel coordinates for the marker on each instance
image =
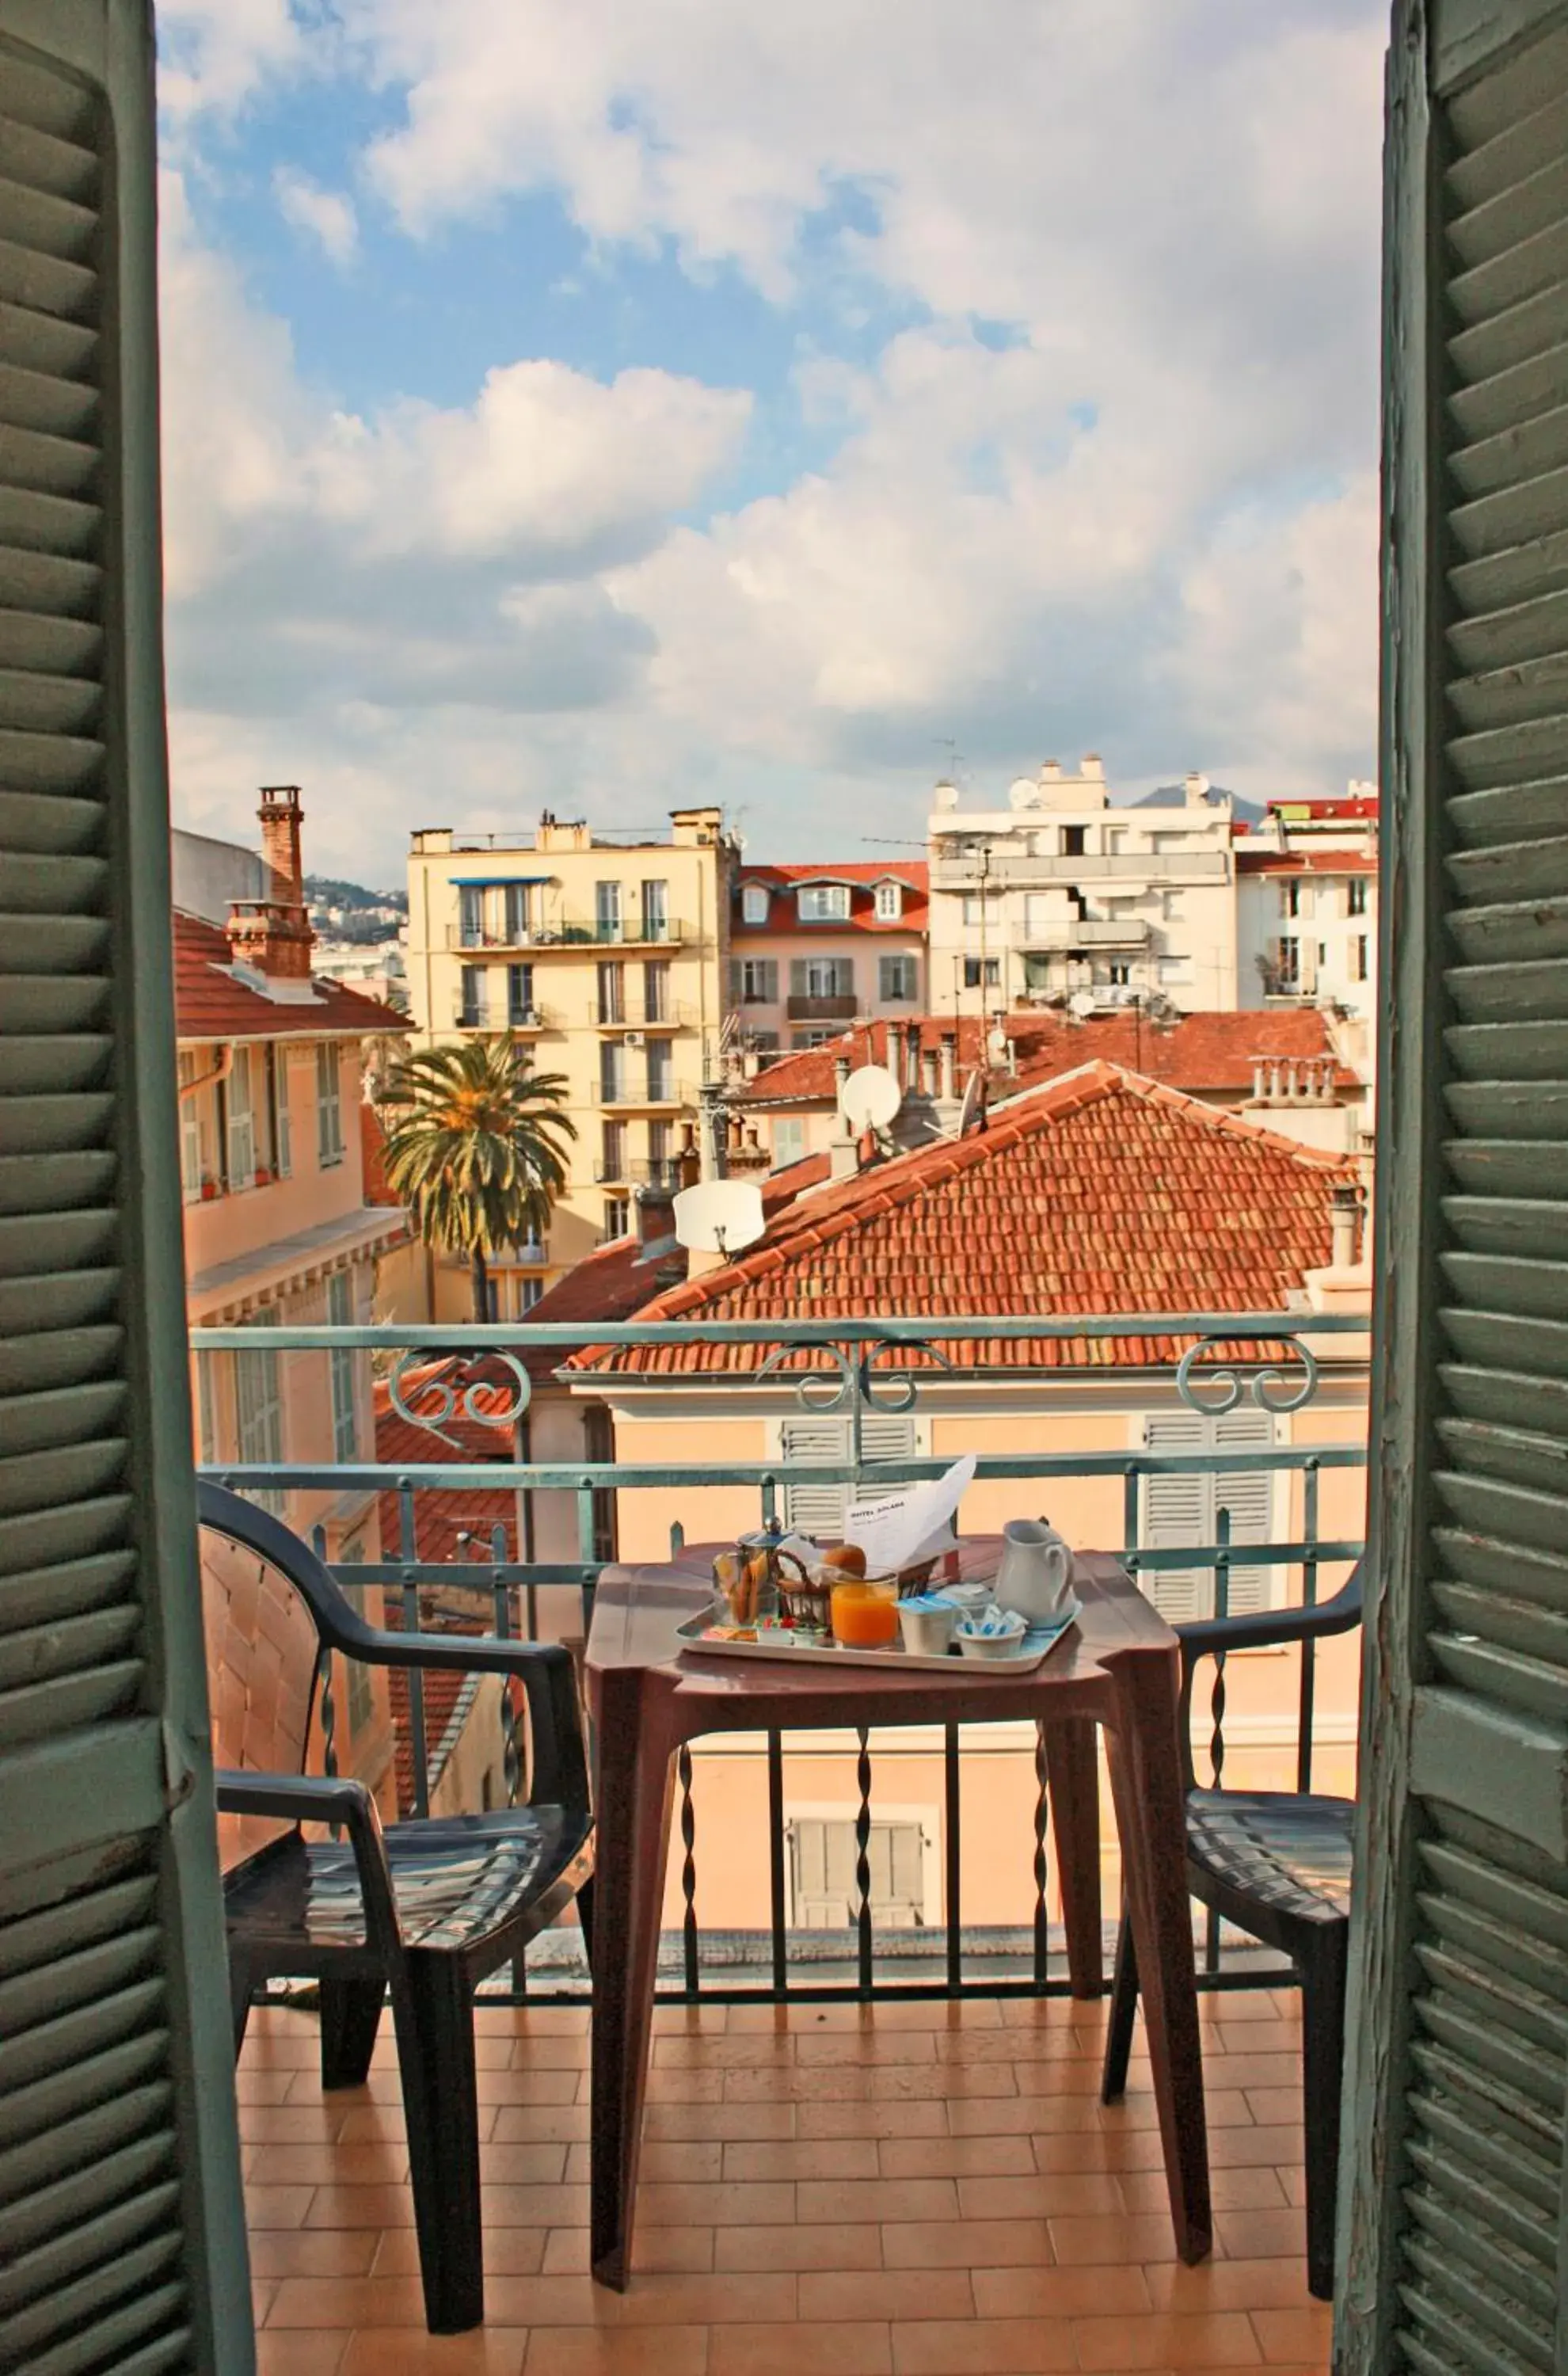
(610, 405)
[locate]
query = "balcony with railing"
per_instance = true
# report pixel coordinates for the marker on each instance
(867, 2060)
(639, 1014)
(638, 1171)
(635, 1092)
(483, 1015)
(824, 1006)
(551, 932)
(1006, 870)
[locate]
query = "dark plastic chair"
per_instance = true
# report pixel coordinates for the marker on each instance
(1277, 1864)
(418, 1912)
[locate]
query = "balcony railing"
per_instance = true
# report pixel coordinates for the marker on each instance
(633, 1092)
(1086, 933)
(837, 1006)
(1005, 871)
(469, 1017)
(638, 1171)
(861, 1368)
(572, 931)
(634, 1014)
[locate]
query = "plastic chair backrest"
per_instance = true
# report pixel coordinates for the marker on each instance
(262, 1660)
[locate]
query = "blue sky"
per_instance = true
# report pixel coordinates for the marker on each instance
(589, 409)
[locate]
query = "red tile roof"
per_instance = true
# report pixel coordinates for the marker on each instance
(785, 881)
(209, 1003)
(1104, 1192)
(439, 1518)
(1199, 1052)
(1305, 861)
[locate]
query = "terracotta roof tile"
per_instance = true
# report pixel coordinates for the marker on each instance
(784, 880)
(1103, 1192)
(209, 1003)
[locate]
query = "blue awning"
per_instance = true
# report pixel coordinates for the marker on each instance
(493, 881)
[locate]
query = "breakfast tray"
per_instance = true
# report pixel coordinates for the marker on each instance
(1033, 1647)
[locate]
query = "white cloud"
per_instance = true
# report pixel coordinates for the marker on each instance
(213, 55)
(326, 216)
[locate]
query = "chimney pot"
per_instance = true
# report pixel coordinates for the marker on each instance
(1345, 1214)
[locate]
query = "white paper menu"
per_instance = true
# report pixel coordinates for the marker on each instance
(913, 1524)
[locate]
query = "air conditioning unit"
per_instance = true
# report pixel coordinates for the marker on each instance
(636, 1040)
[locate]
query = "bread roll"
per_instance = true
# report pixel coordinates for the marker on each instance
(847, 1558)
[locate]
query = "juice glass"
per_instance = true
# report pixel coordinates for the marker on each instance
(865, 1615)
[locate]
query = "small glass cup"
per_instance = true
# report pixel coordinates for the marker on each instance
(866, 1615)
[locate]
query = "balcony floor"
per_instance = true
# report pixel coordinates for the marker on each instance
(916, 2190)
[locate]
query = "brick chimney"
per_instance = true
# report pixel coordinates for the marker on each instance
(272, 936)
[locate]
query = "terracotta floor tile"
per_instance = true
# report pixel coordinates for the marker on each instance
(528, 2086)
(1084, 2149)
(879, 2045)
(508, 2252)
(1061, 2293)
(519, 2164)
(695, 2086)
(1247, 2188)
(253, 2085)
(1231, 2148)
(542, 2124)
(955, 2158)
(724, 2297)
(824, 2200)
(384, 2164)
(1303, 2335)
(919, 2117)
(745, 2053)
(534, 2053)
(965, 2244)
(753, 2205)
(617, 2351)
(1275, 2107)
(1127, 2239)
(832, 2294)
(283, 2352)
(312, 2252)
(666, 2161)
(1260, 2235)
(803, 2157)
(892, 2082)
(1270, 2037)
(861, 2348)
(1220, 2339)
(311, 2302)
(1281, 2070)
(1016, 2347)
(535, 2206)
(552, 2301)
(1293, 2183)
(689, 2021)
(685, 2250)
(1229, 2285)
(857, 2247)
(291, 2124)
(262, 2291)
(1039, 2198)
(361, 2206)
(402, 2351)
(1052, 2044)
(745, 2123)
(278, 2206)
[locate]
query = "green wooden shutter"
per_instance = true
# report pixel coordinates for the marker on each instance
(1452, 2229)
(122, 2241)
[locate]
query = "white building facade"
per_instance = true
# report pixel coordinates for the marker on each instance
(1306, 905)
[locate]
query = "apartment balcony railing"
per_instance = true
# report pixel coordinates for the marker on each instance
(638, 1171)
(571, 932)
(861, 1369)
(635, 1014)
(841, 1006)
(1005, 871)
(633, 1093)
(1086, 933)
(471, 1016)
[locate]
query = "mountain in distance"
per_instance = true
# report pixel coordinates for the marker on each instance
(327, 891)
(1173, 796)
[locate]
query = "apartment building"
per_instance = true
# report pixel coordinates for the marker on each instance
(608, 953)
(1306, 904)
(1059, 893)
(817, 947)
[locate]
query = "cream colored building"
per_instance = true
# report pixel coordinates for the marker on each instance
(1059, 892)
(609, 955)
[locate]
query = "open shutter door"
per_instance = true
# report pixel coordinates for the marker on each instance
(1248, 1494)
(121, 2224)
(1453, 2236)
(1178, 1515)
(816, 1508)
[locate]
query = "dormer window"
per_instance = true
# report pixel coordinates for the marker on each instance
(889, 902)
(754, 903)
(822, 903)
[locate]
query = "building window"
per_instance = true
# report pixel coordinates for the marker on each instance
(660, 1162)
(612, 1151)
(818, 1508)
(1291, 902)
(1119, 975)
(754, 903)
(1287, 962)
(612, 992)
(897, 978)
(815, 1035)
(240, 1154)
(1358, 958)
(980, 908)
(824, 1892)
(612, 1072)
(1074, 840)
(607, 911)
(190, 1126)
(661, 1072)
(258, 1411)
(1181, 1512)
(345, 1367)
(889, 902)
(656, 911)
(655, 991)
(788, 1139)
(471, 917)
(975, 967)
(514, 899)
(519, 994)
(529, 1287)
(599, 1449)
(280, 1127)
(1356, 895)
(822, 978)
(617, 1215)
(206, 1407)
(473, 1012)
(822, 903)
(328, 1104)
(759, 981)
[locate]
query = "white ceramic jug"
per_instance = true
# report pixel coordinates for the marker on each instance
(1035, 1573)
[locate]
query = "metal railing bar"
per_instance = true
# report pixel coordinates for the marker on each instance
(1222, 1328)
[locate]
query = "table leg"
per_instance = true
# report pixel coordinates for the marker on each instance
(1143, 1747)
(632, 1831)
(1072, 1766)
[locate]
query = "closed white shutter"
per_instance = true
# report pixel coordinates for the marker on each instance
(826, 1894)
(1248, 1494)
(242, 1122)
(814, 1509)
(1181, 1512)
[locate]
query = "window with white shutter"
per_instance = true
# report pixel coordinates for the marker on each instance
(1180, 1510)
(241, 1122)
(819, 1508)
(824, 1892)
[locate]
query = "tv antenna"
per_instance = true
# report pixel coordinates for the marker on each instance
(971, 1114)
(719, 1217)
(869, 1099)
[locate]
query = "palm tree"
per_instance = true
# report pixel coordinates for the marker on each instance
(475, 1146)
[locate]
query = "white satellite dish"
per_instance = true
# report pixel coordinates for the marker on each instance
(869, 1099)
(997, 1044)
(1082, 1003)
(719, 1217)
(973, 1107)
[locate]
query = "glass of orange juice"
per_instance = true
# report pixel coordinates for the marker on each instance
(865, 1615)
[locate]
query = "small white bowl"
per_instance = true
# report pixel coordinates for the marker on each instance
(928, 1632)
(991, 1645)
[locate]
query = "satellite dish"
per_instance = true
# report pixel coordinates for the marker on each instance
(973, 1108)
(1082, 1003)
(869, 1099)
(719, 1217)
(997, 1045)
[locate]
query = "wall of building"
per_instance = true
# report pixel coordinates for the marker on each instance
(1331, 919)
(207, 875)
(233, 1218)
(775, 1025)
(562, 868)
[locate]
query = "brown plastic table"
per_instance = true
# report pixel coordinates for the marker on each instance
(1117, 1667)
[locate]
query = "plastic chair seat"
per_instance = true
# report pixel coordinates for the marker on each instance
(457, 1881)
(1286, 1852)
